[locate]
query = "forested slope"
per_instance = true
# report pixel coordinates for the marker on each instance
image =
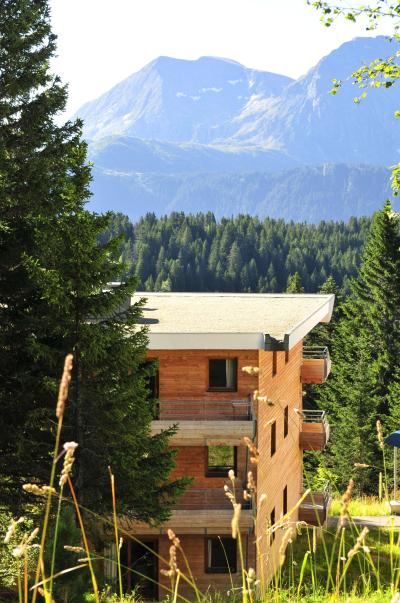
(182, 252)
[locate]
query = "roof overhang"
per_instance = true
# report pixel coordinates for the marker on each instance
(243, 341)
(289, 340)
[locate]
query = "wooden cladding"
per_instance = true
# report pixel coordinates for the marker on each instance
(316, 365)
(314, 509)
(313, 436)
(184, 374)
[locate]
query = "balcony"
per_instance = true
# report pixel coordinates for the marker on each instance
(192, 521)
(314, 508)
(210, 499)
(314, 429)
(316, 365)
(206, 422)
(199, 511)
(206, 410)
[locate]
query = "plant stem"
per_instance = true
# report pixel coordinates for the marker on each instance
(85, 540)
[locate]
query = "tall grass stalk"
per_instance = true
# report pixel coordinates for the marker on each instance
(85, 540)
(117, 543)
(62, 397)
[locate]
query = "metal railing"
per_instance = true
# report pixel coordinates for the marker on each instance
(206, 410)
(209, 498)
(316, 352)
(321, 497)
(316, 416)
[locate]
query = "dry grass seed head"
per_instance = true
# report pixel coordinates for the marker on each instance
(12, 528)
(379, 432)
(69, 460)
(359, 544)
(361, 466)
(173, 566)
(250, 370)
(39, 490)
(237, 507)
(74, 549)
(253, 450)
(344, 512)
(288, 537)
(64, 386)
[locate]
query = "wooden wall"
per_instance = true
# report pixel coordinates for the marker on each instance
(184, 374)
(194, 548)
(284, 468)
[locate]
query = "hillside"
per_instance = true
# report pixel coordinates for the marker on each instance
(211, 134)
(330, 192)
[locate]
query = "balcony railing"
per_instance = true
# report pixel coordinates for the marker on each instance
(314, 508)
(210, 498)
(316, 365)
(206, 410)
(314, 429)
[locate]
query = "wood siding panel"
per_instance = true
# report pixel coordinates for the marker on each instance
(286, 466)
(184, 374)
(313, 436)
(314, 370)
(194, 548)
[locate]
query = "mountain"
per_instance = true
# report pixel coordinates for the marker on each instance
(178, 100)
(306, 194)
(127, 155)
(213, 134)
(314, 126)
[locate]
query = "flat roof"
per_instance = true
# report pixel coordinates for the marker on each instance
(231, 320)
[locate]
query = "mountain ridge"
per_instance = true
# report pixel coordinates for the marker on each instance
(155, 133)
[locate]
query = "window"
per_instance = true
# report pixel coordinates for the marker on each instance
(220, 459)
(152, 378)
(272, 523)
(222, 374)
(286, 421)
(220, 555)
(274, 363)
(152, 385)
(284, 500)
(273, 438)
(286, 356)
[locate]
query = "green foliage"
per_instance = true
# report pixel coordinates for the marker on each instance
(12, 566)
(365, 353)
(196, 253)
(294, 284)
(380, 73)
(55, 298)
(68, 587)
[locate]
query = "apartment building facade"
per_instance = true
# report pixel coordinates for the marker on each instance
(204, 345)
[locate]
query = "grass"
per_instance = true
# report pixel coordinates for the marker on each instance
(360, 576)
(344, 565)
(361, 507)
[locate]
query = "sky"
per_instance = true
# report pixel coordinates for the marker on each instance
(101, 42)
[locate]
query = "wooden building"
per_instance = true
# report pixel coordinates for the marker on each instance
(202, 343)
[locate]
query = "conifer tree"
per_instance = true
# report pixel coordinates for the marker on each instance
(294, 284)
(365, 354)
(55, 298)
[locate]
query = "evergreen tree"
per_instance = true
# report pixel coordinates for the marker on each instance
(55, 298)
(294, 284)
(365, 354)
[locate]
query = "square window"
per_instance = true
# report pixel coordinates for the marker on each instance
(286, 422)
(284, 500)
(220, 459)
(222, 374)
(274, 363)
(273, 438)
(221, 555)
(272, 523)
